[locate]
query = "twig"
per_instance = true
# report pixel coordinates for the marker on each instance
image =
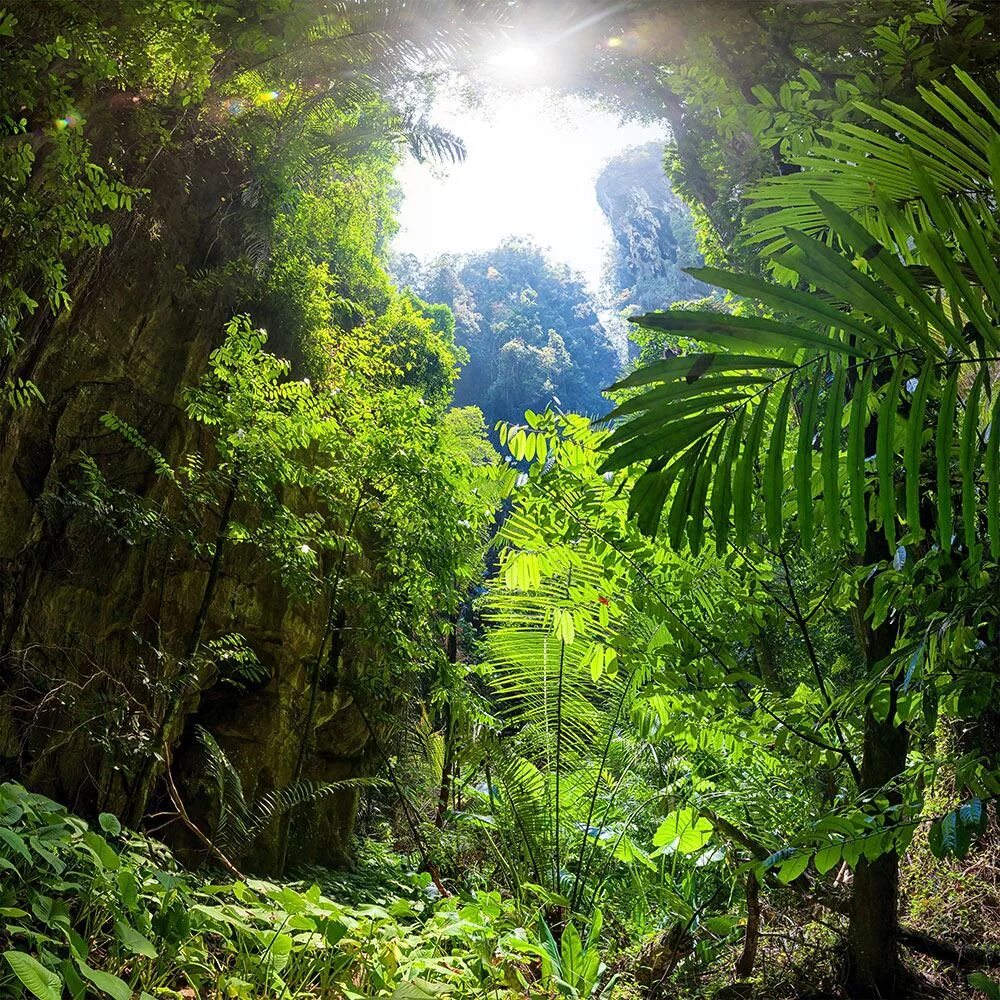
(175, 797)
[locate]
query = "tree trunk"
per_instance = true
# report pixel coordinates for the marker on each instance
(873, 961)
(444, 793)
(873, 968)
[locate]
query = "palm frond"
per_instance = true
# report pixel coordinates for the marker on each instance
(852, 381)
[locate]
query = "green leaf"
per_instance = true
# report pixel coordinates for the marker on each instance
(110, 824)
(774, 473)
(102, 850)
(133, 940)
(836, 275)
(826, 858)
(674, 439)
(738, 331)
(743, 488)
(791, 869)
(691, 367)
(830, 457)
(722, 488)
(699, 491)
(890, 269)
(803, 470)
(989, 987)
(15, 841)
(681, 507)
(968, 459)
(682, 832)
(660, 415)
(912, 447)
(128, 889)
(107, 983)
(993, 478)
(36, 979)
(805, 305)
(885, 454)
(942, 444)
(649, 495)
(856, 454)
(666, 392)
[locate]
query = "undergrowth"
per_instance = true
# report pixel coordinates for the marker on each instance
(110, 914)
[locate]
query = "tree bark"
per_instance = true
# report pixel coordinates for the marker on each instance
(873, 932)
(873, 968)
(745, 963)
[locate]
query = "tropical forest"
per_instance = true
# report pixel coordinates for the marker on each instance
(499, 499)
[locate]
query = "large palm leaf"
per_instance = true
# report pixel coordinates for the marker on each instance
(877, 382)
(867, 171)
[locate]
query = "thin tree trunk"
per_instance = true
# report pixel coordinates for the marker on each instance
(446, 770)
(873, 967)
(751, 938)
(144, 777)
(873, 932)
(198, 630)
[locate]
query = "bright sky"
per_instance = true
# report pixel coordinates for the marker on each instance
(533, 158)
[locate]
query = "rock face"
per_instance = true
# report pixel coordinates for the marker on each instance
(653, 233)
(83, 613)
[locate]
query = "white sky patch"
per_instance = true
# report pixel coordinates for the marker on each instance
(533, 159)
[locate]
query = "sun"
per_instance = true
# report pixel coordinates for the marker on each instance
(516, 62)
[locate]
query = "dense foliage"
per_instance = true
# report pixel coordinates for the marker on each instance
(529, 327)
(697, 700)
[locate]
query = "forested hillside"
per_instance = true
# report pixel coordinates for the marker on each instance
(529, 327)
(682, 681)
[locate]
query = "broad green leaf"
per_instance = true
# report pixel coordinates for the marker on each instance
(128, 889)
(739, 331)
(791, 869)
(990, 988)
(110, 824)
(682, 832)
(660, 416)
(743, 489)
(722, 487)
(691, 367)
(699, 492)
(672, 441)
(670, 392)
(836, 275)
(826, 858)
(774, 473)
(649, 495)
(108, 984)
(805, 305)
(890, 269)
(680, 508)
(133, 940)
(15, 842)
(36, 979)
(993, 478)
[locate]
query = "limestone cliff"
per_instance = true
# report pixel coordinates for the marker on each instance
(84, 614)
(653, 234)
